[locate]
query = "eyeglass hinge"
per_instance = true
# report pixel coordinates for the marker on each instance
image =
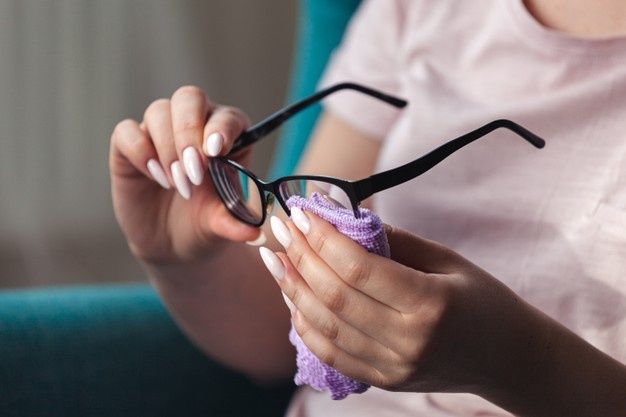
(363, 189)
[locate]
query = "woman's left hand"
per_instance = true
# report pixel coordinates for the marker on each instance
(425, 320)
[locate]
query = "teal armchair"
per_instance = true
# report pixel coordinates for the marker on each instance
(113, 350)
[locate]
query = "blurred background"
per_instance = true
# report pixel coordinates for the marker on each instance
(70, 70)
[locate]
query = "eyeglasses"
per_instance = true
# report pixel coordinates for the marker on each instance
(249, 198)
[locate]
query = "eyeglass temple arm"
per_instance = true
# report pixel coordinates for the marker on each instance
(387, 179)
(266, 126)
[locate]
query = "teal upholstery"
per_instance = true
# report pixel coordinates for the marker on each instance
(321, 24)
(113, 350)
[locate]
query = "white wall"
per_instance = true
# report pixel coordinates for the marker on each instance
(69, 70)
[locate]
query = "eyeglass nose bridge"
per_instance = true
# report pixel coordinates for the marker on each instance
(270, 198)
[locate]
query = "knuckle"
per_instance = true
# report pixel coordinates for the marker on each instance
(446, 252)
(395, 377)
(330, 329)
(159, 106)
(295, 295)
(123, 126)
(449, 255)
(357, 273)
(238, 115)
(187, 91)
(397, 382)
(226, 125)
(298, 260)
(328, 357)
(188, 121)
(122, 132)
(232, 126)
(233, 112)
(396, 359)
(301, 328)
(320, 243)
(441, 304)
(380, 380)
(409, 348)
(413, 351)
(334, 298)
(229, 117)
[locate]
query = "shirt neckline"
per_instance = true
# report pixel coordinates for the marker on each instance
(547, 39)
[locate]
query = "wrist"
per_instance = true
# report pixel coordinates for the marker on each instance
(555, 372)
(525, 375)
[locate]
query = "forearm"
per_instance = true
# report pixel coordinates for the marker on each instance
(563, 375)
(231, 308)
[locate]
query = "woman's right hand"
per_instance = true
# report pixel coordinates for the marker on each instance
(163, 198)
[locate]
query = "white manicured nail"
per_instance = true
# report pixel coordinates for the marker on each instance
(280, 231)
(193, 165)
(259, 240)
(272, 262)
(181, 180)
(213, 144)
(300, 220)
(156, 170)
(290, 305)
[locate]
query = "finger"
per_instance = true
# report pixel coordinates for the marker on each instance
(352, 306)
(333, 356)
(158, 123)
(224, 126)
(129, 143)
(379, 278)
(216, 218)
(421, 254)
(190, 108)
(337, 331)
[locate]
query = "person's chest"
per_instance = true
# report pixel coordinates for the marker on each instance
(550, 223)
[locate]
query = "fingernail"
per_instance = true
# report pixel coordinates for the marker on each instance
(156, 170)
(193, 165)
(290, 305)
(213, 144)
(259, 240)
(280, 231)
(272, 262)
(300, 220)
(180, 180)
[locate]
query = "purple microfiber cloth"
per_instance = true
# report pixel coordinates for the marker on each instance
(368, 232)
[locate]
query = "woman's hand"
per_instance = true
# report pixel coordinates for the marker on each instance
(425, 320)
(429, 320)
(163, 199)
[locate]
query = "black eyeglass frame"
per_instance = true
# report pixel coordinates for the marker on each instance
(273, 187)
(358, 190)
(272, 122)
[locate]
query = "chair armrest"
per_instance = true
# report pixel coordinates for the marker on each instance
(112, 351)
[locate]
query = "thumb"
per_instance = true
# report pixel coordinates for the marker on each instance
(223, 224)
(216, 220)
(419, 253)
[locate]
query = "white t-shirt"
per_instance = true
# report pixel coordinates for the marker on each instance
(551, 223)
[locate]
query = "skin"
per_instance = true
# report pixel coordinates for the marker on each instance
(589, 19)
(414, 322)
(427, 306)
(192, 249)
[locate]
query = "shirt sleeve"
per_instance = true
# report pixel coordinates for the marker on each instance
(368, 55)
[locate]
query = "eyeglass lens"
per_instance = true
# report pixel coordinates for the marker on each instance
(242, 196)
(239, 192)
(306, 187)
